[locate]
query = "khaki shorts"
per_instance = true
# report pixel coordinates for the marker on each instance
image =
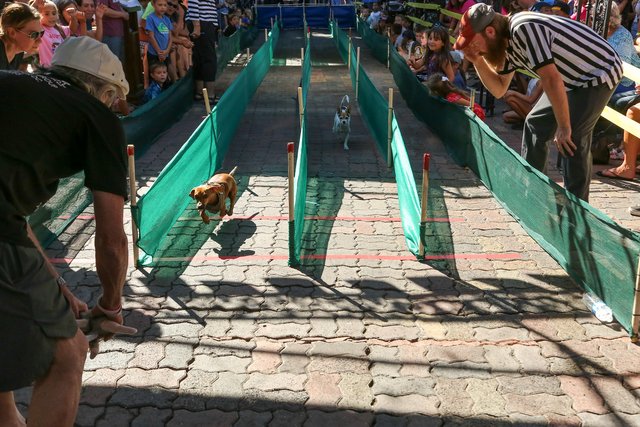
(33, 313)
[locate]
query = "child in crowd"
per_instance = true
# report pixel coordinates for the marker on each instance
(406, 45)
(158, 28)
(245, 20)
(234, 23)
(457, 57)
(158, 73)
(54, 33)
(439, 85)
(181, 51)
(92, 14)
(437, 57)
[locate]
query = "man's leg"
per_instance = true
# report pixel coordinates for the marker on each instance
(9, 414)
(56, 396)
(539, 128)
(585, 107)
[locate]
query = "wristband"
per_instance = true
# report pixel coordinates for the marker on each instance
(109, 313)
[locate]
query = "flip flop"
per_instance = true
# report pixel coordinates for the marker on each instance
(612, 175)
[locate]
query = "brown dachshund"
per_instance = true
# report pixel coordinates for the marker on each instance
(212, 196)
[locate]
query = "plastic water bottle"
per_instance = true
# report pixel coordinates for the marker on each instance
(597, 307)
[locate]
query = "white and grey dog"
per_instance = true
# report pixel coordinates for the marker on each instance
(342, 121)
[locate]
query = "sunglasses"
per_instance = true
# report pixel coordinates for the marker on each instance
(33, 35)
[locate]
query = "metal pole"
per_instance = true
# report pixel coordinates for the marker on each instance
(207, 105)
(635, 314)
(357, 71)
(425, 194)
(134, 200)
(349, 55)
(390, 130)
(300, 106)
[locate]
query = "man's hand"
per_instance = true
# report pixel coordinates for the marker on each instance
(100, 324)
(76, 305)
(563, 141)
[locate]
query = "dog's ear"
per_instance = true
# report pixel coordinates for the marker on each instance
(349, 109)
(193, 193)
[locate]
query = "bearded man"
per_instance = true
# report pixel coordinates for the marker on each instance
(578, 71)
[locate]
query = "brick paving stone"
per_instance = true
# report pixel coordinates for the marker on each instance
(259, 400)
(98, 388)
(401, 386)
(460, 370)
(407, 404)
(242, 328)
(608, 420)
(216, 328)
(151, 417)
(323, 389)
(453, 396)
(177, 356)
(500, 334)
(286, 330)
(529, 385)
(147, 355)
(501, 359)
(487, 400)
(632, 381)
(456, 353)
(88, 415)
(530, 404)
(384, 361)
(265, 357)
(572, 348)
(584, 396)
(111, 360)
(283, 418)
(322, 325)
(599, 330)
(615, 395)
(431, 328)
(127, 397)
(163, 377)
(355, 390)
(624, 355)
(340, 418)
(225, 347)
(210, 418)
(278, 381)
(293, 358)
(117, 416)
(530, 359)
(253, 419)
(385, 420)
(213, 363)
(388, 333)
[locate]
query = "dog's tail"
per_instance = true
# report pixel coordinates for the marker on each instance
(233, 171)
(345, 102)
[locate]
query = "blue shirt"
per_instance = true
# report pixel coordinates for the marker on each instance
(161, 29)
(152, 91)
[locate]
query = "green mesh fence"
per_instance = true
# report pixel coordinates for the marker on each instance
(162, 205)
(300, 178)
(374, 111)
(596, 252)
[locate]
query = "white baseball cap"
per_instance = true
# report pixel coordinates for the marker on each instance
(92, 57)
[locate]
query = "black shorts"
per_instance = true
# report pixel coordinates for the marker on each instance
(33, 314)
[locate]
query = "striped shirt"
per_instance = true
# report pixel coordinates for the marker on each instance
(583, 58)
(202, 10)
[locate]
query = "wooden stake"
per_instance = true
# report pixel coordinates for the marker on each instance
(357, 71)
(388, 47)
(134, 200)
(302, 57)
(207, 105)
(290, 147)
(266, 35)
(390, 130)
(635, 313)
(349, 55)
(300, 106)
(248, 55)
(425, 194)
(472, 98)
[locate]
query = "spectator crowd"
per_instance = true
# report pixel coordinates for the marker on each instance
(174, 36)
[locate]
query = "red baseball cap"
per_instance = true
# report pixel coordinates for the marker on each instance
(474, 21)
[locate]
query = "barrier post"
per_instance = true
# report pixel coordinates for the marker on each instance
(134, 200)
(248, 54)
(266, 35)
(635, 314)
(302, 57)
(349, 55)
(207, 105)
(423, 205)
(388, 46)
(472, 98)
(271, 20)
(300, 106)
(390, 130)
(357, 71)
(290, 198)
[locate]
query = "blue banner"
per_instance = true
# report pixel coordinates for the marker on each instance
(292, 17)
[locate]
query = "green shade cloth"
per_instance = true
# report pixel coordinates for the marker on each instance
(595, 251)
(300, 177)
(375, 110)
(162, 205)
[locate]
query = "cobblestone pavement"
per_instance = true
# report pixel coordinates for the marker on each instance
(365, 336)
